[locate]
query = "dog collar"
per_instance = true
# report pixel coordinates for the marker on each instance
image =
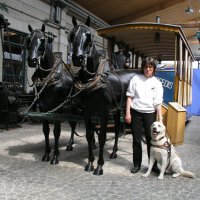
(159, 139)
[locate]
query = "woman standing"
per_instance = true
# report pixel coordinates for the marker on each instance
(144, 100)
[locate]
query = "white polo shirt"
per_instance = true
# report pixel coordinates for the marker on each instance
(147, 93)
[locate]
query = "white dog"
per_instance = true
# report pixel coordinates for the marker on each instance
(163, 151)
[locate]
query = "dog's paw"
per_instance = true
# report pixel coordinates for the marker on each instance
(145, 175)
(160, 177)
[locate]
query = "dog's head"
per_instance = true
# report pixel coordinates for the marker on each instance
(157, 130)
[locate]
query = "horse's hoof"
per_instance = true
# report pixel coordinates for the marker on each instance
(89, 168)
(54, 162)
(113, 155)
(98, 171)
(46, 158)
(69, 148)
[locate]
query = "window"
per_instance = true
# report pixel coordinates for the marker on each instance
(55, 12)
(13, 57)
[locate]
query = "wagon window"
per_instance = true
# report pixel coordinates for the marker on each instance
(56, 12)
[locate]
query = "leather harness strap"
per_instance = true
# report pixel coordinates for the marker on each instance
(166, 146)
(96, 82)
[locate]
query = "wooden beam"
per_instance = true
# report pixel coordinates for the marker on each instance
(147, 11)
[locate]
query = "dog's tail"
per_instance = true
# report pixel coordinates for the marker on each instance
(187, 174)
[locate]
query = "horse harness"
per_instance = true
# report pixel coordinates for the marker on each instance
(99, 81)
(52, 79)
(95, 83)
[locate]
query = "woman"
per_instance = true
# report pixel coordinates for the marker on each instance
(144, 100)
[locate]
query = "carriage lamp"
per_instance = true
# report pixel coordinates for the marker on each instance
(189, 8)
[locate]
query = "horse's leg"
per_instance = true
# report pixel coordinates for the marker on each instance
(71, 141)
(46, 131)
(113, 155)
(102, 141)
(56, 131)
(94, 141)
(89, 136)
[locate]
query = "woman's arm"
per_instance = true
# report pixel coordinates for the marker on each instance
(128, 110)
(159, 113)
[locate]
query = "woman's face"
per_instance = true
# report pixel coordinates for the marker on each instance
(148, 71)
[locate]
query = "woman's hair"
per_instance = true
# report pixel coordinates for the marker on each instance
(146, 62)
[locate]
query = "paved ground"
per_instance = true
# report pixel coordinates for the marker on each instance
(23, 176)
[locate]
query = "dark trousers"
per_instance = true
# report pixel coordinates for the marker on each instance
(141, 124)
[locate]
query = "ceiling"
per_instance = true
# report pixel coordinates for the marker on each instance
(170, 12)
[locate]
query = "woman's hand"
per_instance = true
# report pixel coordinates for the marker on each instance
(128, 118)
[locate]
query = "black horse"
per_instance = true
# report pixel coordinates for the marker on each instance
(52, 83)
(101, 91)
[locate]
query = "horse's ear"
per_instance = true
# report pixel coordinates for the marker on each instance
(87, 23)
(74, 22)
(43, 28)
(30, 28)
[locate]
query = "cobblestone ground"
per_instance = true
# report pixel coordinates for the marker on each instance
(23, 176)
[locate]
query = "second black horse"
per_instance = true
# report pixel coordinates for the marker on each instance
(101, 91)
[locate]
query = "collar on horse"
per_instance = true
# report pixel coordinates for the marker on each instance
(95, 83)
(51, 78)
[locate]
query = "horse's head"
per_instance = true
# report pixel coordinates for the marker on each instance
(38, 43)
(80, 38)
(35, 44)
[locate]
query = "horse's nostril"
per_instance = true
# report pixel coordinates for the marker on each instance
(34, 60)
(81, 57)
